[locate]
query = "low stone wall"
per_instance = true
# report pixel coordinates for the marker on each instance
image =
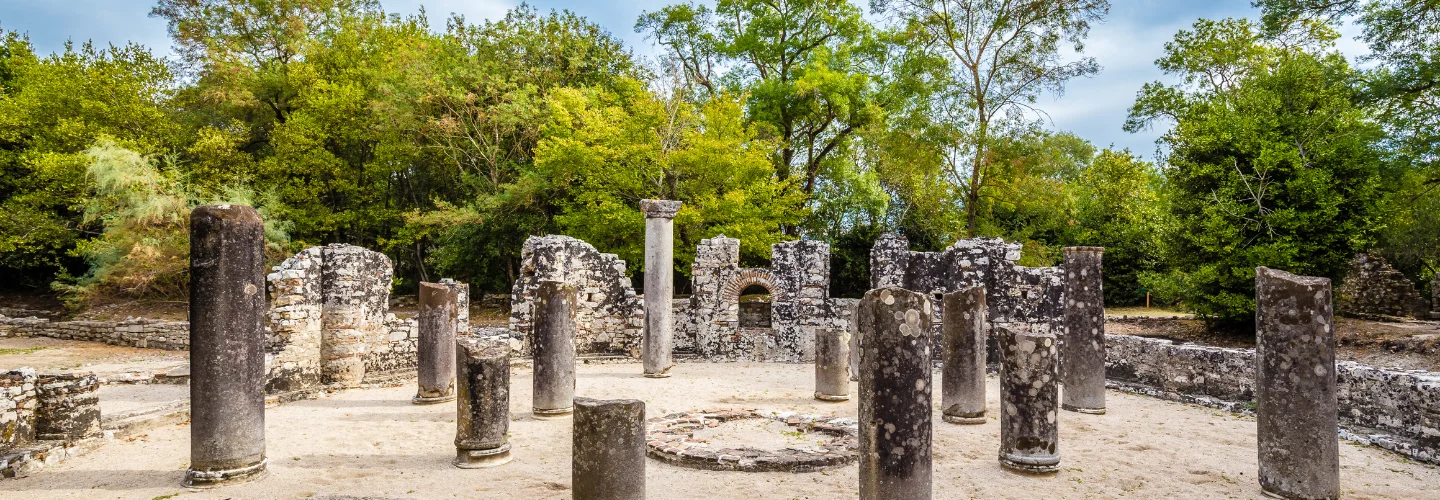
(17, 407)
(45, 418)
(1393, 409)
(149, 333)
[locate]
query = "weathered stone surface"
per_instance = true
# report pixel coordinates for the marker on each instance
(895, 394)
(69, 406)
(962, 380)
(438, 312)
(608, 457)
(1296, 405)
(1083, 349)
(355, 292)
(296, 309)
(17, 408)
(832, 364)
(1372, 287)
(227, 345)
(672, 440)
(462, 305)
(659, 285)
(482, 417)
(135, 332)
(609, 318)
(1030, 399)
(554, 378)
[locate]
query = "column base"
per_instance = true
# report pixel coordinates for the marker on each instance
(430, 401)
(552, 414)
(1087, 411)
(657, 375)
(481, 459)
(964, 419)
(831, 397)
(206, 479)
(1030, 465)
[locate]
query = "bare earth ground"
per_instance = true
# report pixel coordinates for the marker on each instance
(374, 443)
(48, 355)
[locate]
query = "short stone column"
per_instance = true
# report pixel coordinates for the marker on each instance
(962, 380)
(553, 342)
(483, 411)
(832, 364)
(227, 345)
(608, 461)
(895, 394)
(1295, 399)
(659, 285)
(1083, 353)
(462, 305)
(68, 406)
(1029, 391)
(435, 352)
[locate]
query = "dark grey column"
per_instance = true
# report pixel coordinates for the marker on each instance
(832, 364)
(435, 353)
(554, 345)
(659, 285)
(1083, 354)
(608, 461)
(1029, 436)
(895, 395)
(483, 412)
(962, 382)
(227, 345)
(1295, 404)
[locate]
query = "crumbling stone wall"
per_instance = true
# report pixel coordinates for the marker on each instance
(68, 406)
(610, 316)
(17, 408)
(295, 319)
(1372, 287)
(148, 333)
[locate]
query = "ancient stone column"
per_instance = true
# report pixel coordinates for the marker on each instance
(962, 381)
(608, 461)
(659, 285)
(68, 406)
(832, 364)
(1029, 391)
(1083, 354)
(483, 412)
(227, 345)
(462, 305)
(895, 394)
(554, 346)
(435, 352)
(1295, 400)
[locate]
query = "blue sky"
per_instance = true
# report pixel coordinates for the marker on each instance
(1126, 44)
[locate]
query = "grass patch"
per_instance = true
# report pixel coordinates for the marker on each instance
(22, 350)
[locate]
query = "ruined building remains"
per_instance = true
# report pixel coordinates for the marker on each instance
(1372, 287)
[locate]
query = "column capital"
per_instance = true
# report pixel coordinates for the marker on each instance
(660, 209)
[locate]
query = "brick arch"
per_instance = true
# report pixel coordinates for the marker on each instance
(746, 277)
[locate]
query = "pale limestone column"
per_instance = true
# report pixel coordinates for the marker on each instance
(1082, 367)
(659, 285)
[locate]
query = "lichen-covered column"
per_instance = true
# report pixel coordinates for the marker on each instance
(435, 353)
(554, 346)
(483, 412)
(895, 394)
(1083, 355)
(1029, 392)
(1295, 400)
(659, 285)
(608, 461)
(68, 406)
(462, 305)
(962, 381)
(227, 345)
(832, 364)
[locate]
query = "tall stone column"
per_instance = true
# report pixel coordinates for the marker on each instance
(895, 394)
(608, 461)
(483, 412)
(1029, 436)
(1083, 355)
(1295, 400)
(227, 345)
(435, 353)
(554, 346)
(832, 364)
(962, 381)
(659, 285)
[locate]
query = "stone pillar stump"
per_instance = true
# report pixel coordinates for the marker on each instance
(1083, 354)
(895, 394)
(832, 364)
(962, 381)
(483, 411)
(554, 344)
(1029, 391)
(435, 353)
(608, 460)
(68, 406)
(659, 285)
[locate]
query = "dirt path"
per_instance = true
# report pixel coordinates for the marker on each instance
(48, 355)
(374, 443)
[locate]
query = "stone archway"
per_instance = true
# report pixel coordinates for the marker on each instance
(730, 293)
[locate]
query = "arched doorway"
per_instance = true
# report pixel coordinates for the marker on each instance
(755, 307)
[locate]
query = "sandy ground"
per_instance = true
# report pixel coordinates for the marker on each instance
(127, 398)
(374, 443)
(48, 355)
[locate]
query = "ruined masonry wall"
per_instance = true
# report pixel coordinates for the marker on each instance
(18, 400)
(609, 317)
(149, 333)
(1372, 287)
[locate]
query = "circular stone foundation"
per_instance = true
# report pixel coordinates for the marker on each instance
(753, 441)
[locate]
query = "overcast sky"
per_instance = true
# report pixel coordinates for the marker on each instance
(1126, 44)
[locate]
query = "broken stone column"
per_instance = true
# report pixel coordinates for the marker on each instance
(1295, 400)
(554, 346)
(962, 381)
(227, 345)
(462, 305)
(608, 461)
(1029, 391)
(1083, 369)
(435, 353)
(659, 285)
(832, 364)
(483, 412)
(68, 406)
(895, 394)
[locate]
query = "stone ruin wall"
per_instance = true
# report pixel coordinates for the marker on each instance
(138, 332)
(1371, 287)
(45, 417)
(610, 317)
